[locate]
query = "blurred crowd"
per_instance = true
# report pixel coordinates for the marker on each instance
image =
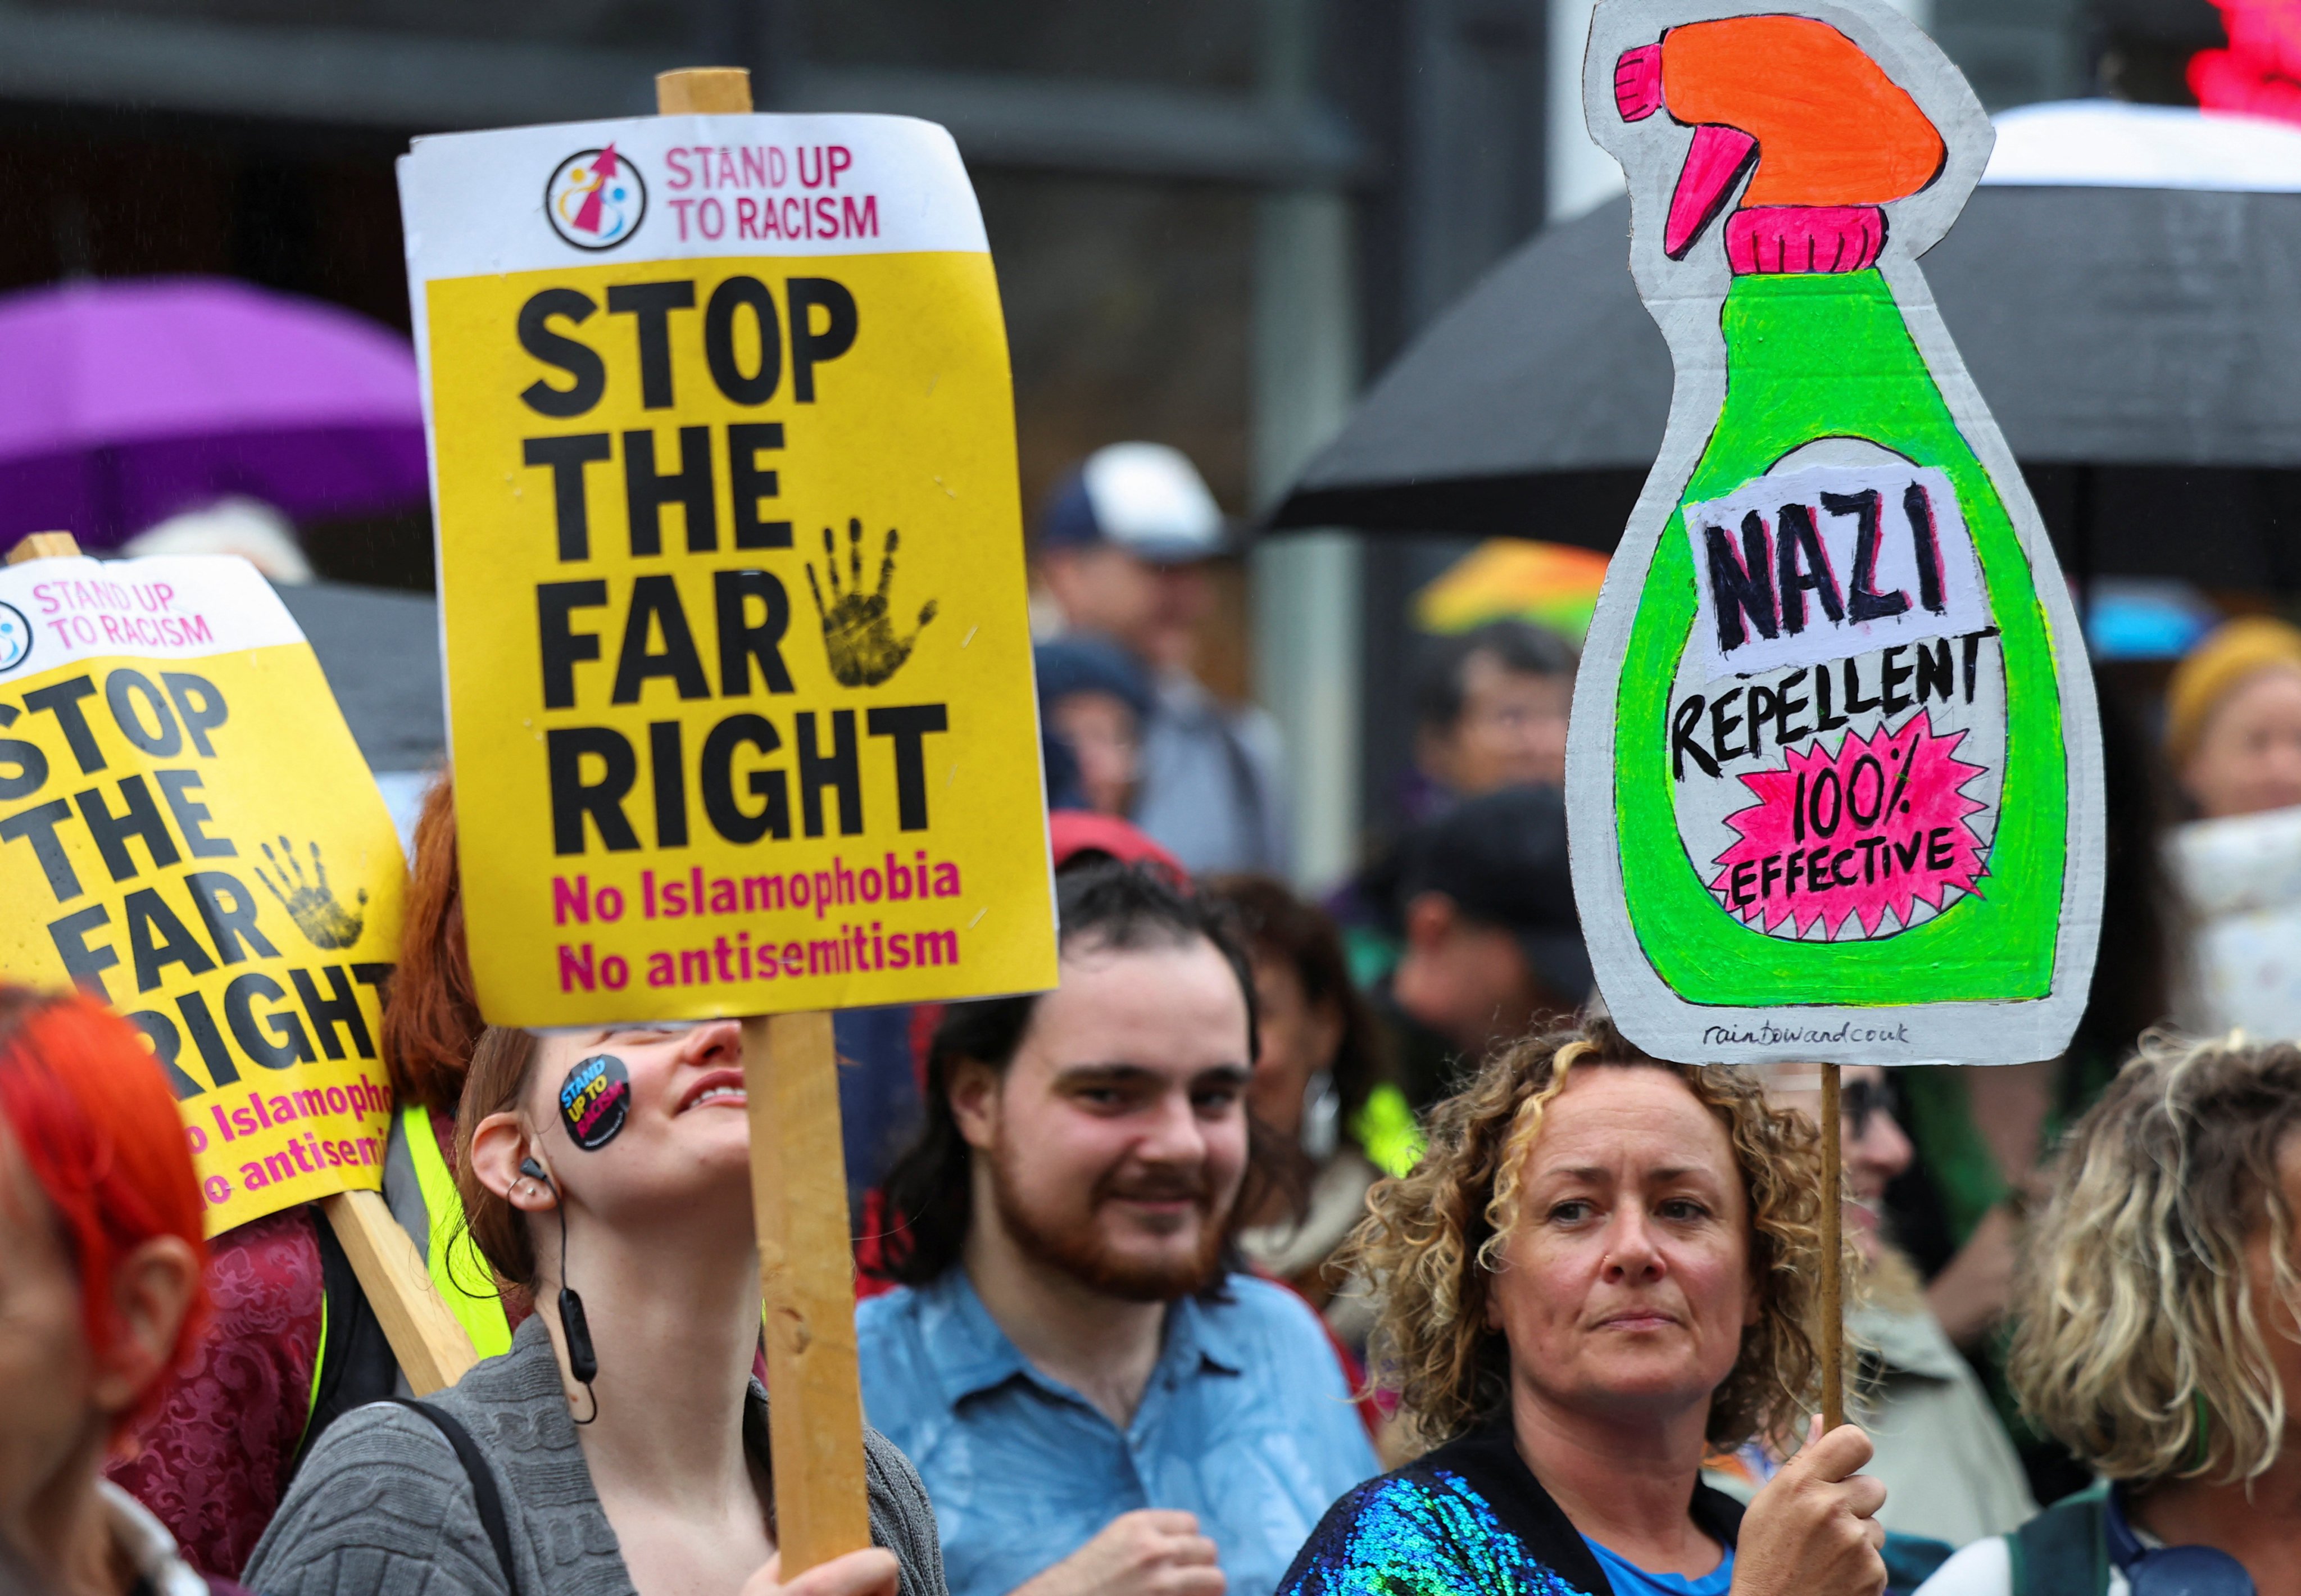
(1285, 1246)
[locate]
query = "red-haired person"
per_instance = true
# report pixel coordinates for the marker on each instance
(292, 1342)
(100, 1293)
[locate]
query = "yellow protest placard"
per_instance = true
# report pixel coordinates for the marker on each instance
(731, 569)
(188, 831)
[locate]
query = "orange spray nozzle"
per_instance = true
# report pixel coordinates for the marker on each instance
(1824, 126)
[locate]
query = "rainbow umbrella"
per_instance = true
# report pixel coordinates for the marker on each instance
(1506, 578)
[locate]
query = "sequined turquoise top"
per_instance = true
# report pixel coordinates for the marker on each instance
(1407, 1536)
(1468, 1519)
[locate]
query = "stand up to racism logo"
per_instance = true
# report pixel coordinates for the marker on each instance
(596, 199)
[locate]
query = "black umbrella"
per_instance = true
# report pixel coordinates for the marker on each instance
(2141, 348)
(380, 650)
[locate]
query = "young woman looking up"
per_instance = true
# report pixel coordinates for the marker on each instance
(616, 1162)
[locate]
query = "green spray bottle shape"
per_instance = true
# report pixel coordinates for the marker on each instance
(1833, 775)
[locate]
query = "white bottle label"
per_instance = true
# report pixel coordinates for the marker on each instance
(1800, 567)
(1838, 722)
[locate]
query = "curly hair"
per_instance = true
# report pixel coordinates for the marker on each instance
(2138, 1343)
(1432, 1240)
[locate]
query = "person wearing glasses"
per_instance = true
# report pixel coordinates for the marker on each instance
(1950, 1471)
(2156, 1338)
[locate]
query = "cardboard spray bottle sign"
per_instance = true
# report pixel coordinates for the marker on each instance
(1834, 775)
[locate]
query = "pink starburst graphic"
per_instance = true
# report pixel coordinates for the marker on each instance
(1879, 825)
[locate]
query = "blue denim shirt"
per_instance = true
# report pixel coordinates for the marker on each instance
(1246, 1422)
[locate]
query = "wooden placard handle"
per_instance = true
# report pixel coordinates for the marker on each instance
(44, 546)
(807, 1275)
(428, 1341)
(799, 1194)
(1833, 1256)
(712, 90)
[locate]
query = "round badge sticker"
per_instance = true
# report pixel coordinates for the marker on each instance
(594, 1100)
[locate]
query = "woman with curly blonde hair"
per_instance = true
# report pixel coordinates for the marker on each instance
(2158, 1339)
(1604, 1268)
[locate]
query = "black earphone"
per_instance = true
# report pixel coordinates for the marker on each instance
(583, 1361)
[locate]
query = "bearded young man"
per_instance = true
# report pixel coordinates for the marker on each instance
(1096, 1402)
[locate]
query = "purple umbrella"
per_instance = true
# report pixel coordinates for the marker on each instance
(124, 401)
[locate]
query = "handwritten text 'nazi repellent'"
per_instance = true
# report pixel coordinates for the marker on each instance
(1833, 778)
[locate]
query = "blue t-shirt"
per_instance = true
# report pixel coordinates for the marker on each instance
(1246, 1422)
(1630, 1580)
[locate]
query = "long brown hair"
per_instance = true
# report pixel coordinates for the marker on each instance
(431, 1019)
(500, 1066)
(1284, 929)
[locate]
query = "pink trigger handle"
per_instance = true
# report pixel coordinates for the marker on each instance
(1719, 156)
(1637, 82)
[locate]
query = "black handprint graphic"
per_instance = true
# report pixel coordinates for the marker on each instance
(857, 635)
(311, 903)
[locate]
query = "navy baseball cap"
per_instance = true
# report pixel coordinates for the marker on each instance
(1081, 662)
(1146, 498)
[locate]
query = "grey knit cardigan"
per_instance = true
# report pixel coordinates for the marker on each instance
(381, 1507)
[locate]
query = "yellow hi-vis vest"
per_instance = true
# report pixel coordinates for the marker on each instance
(465, 1282)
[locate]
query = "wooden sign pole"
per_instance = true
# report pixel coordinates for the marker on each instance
(798, 1195)
(428, 1341)
(44, 546)
(1833, 1260)
(807, 1274)
(425, 1336)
